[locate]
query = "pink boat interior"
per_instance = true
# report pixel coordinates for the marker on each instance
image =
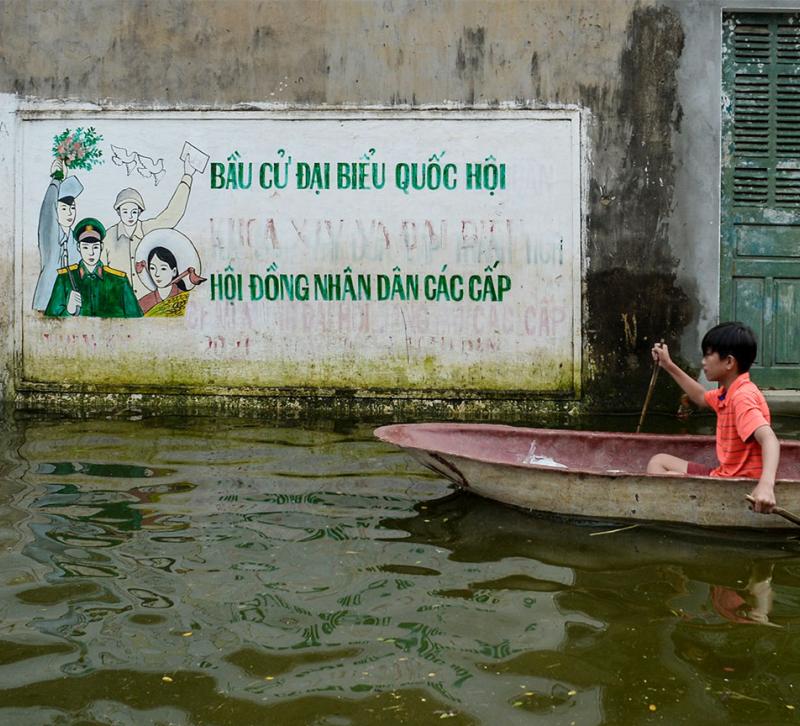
(595, 452)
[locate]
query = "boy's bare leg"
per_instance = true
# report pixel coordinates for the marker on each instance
(667, 464)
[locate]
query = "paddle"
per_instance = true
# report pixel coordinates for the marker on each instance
(780, 511)
(649, 395)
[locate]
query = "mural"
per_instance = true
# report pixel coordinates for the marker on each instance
(166, 264)
(92, 270)
(89, 287)
(364, 250)
(56, 218)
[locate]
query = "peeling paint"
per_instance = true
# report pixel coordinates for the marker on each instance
(628, 229)
(616, 62)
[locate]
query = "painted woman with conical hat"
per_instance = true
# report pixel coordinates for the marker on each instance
(168, 265)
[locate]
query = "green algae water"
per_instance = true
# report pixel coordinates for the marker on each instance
(201, 571)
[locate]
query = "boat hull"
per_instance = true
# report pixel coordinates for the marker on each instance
(610, 494)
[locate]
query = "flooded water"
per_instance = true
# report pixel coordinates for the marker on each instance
(234, 572)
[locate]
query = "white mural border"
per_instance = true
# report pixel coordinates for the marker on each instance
(54, 111)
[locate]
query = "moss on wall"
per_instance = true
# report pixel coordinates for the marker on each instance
(617, 61)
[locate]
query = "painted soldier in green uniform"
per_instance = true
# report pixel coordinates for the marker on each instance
(90, 288)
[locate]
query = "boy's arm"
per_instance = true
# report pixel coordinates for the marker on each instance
(764, 493)
(692, 388)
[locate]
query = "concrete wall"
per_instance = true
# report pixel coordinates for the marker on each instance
(644, 76)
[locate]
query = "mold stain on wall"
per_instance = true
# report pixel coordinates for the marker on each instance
(630, 206)
(537, 56)
(470, 59)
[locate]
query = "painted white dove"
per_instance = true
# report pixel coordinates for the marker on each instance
(124, 157)
(149, 168)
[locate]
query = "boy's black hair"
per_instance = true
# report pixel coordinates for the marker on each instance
(734, 339)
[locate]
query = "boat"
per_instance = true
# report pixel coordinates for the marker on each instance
(593, 474)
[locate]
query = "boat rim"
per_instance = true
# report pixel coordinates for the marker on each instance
(383, 434)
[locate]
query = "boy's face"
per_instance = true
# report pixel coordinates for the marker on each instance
(715, 367)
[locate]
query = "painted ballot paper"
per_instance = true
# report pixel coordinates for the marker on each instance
(425, 251)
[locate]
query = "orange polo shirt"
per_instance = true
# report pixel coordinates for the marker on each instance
(740, 410)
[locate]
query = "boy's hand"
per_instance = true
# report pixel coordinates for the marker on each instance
(763, 496)
(660, 354)
(690, 386)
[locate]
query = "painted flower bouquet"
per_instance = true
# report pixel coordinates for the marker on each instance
(77, 149)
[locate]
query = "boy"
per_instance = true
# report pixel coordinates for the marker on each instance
(746, 444)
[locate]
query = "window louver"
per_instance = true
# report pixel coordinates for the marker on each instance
(788, 43)
(751, 43)
(788, 115)
(787, 187)
(751, 116)
(766, 114)
(750, 185)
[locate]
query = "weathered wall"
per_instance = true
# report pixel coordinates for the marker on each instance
(695, 212)
(644, 75)
(322, 271)
(8, 356)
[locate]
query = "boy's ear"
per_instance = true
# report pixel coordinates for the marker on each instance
(730, 361)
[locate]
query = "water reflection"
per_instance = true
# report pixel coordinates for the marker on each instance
(228, 572)
(663, 599)
(127, 471)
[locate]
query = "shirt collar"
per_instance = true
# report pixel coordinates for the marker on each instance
(136, 233)
(98, 270)
(725, 393)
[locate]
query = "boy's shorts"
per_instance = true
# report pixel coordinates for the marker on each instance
(694, 469)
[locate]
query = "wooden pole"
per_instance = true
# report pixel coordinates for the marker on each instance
(649, 395)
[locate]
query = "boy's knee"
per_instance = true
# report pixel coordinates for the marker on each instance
(666, 464)
(656, 465)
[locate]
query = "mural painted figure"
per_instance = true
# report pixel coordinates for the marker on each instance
(123, 237)
(55, 223)
(90, 288)
(168, 265)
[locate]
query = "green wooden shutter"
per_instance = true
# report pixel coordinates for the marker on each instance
(760, 214)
